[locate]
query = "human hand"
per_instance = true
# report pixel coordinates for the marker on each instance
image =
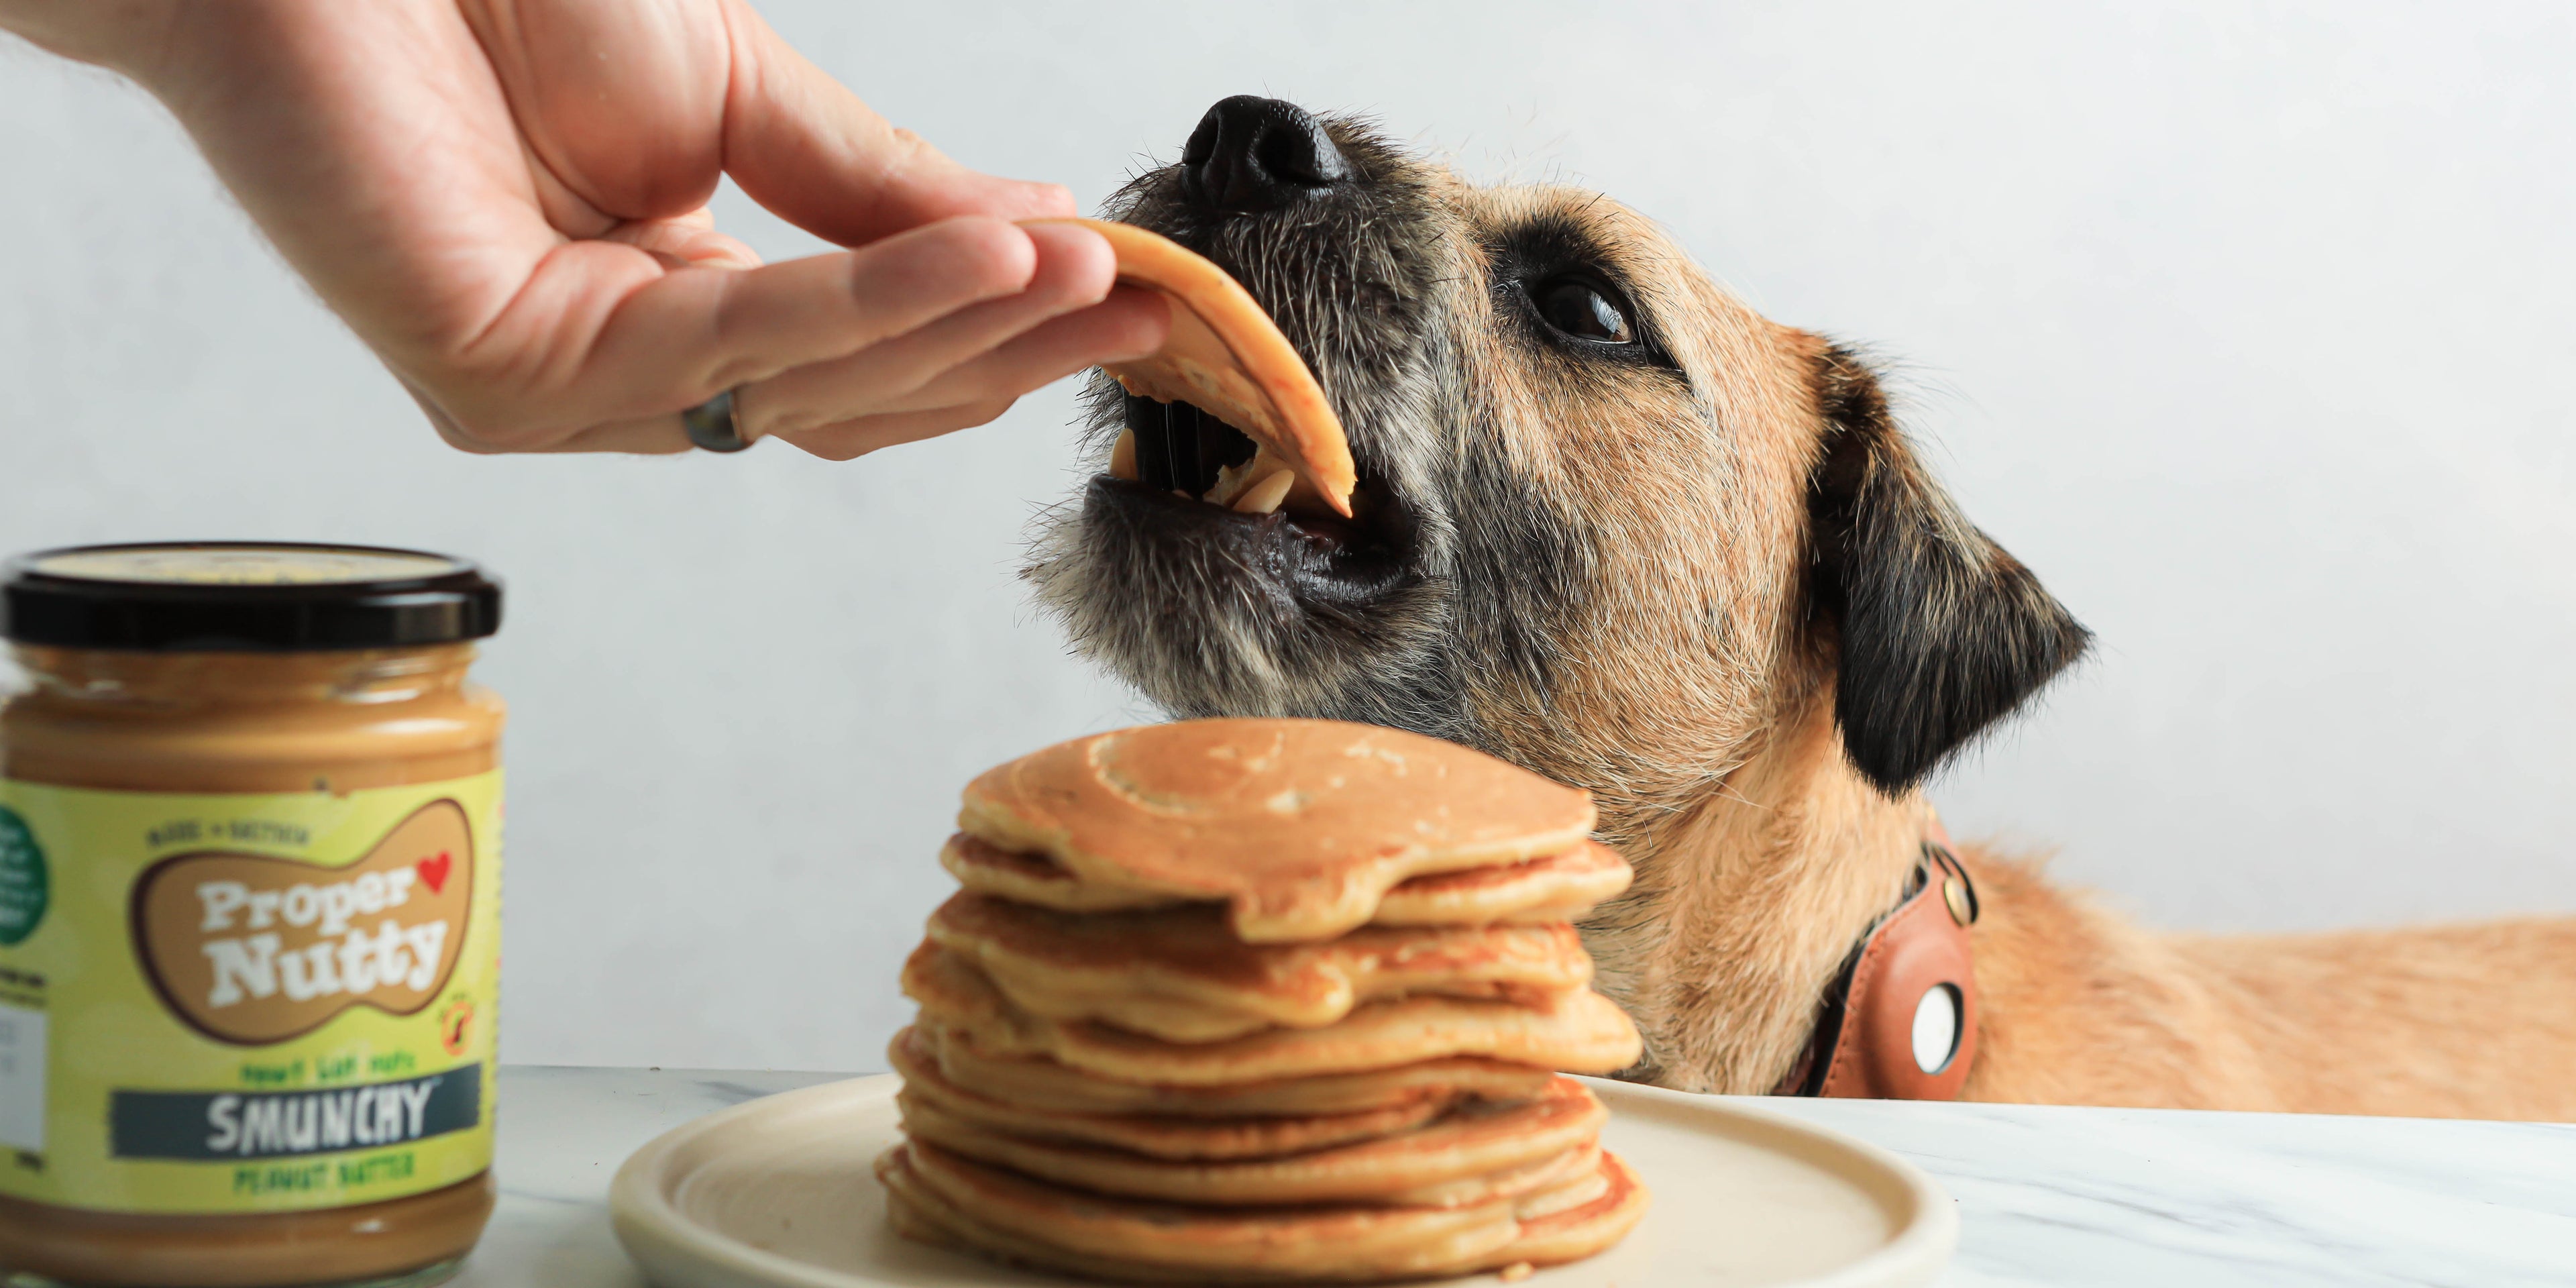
(506, 199)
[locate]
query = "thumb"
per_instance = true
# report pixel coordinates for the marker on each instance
(801, 144)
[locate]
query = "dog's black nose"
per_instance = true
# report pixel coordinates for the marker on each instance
(1254, 154)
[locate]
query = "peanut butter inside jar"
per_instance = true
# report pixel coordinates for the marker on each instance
(249, 878)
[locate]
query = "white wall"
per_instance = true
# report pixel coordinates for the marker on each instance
(2249, 327)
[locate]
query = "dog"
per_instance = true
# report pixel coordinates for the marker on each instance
(1616, 527)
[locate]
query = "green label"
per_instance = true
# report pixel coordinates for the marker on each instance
(22, 879)
(246, 1003)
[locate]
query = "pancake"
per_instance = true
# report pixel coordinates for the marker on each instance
(1152, 1135)
(1225, 356)
(1298, 827)
(1566, 1193)
(1555, 887)
(985, 868)
(1580, 1031)
(990, 1210)
(1475, 1153)
(1551, 1235)
(939, 1197)
(1052, 1087)
(1181, 975)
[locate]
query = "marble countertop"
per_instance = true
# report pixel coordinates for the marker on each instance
(2047, 1196)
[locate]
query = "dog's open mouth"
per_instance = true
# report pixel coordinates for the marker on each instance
(1195, 477)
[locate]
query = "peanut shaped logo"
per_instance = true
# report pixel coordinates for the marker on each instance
(250, 948)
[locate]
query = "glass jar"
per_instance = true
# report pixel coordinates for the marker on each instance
(250, 812)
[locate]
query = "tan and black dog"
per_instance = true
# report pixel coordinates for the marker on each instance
(1619, 528)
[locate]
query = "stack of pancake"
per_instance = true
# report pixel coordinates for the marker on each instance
(1263, 1000)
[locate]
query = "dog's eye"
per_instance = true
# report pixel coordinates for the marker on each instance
(1579, 308)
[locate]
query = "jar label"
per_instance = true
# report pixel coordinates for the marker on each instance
(234, 1003)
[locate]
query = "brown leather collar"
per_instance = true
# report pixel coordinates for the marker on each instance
(1906, 997)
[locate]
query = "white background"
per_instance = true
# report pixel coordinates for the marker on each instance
(2247, 325)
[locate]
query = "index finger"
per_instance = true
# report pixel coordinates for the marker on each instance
(802, 145)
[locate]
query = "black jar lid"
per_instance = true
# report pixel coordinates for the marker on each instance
(244, 596)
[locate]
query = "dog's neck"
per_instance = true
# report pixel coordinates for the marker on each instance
(1746, 903)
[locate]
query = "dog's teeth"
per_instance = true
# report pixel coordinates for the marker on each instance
(1265, 496)
(1122, 458)
(1230, 482)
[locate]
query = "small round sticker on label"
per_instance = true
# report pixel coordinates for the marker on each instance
(23, 886)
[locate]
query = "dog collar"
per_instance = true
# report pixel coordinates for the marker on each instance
(1899, 1021)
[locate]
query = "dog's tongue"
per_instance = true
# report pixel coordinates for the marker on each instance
(1226, 357)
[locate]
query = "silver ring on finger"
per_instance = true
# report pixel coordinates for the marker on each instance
(711, 425)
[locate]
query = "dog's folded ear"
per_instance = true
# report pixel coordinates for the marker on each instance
(1940, 632)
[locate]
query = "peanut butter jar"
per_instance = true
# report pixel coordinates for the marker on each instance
(250, 818)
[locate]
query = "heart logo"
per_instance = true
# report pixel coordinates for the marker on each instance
(433, 872)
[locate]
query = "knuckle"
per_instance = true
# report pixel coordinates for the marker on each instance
(847, 446)
(493, 431)
(733, 371)
(763, 420)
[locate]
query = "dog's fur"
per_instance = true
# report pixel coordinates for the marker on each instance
(1706, 576)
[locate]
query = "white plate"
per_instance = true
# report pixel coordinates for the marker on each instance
(778, 1192)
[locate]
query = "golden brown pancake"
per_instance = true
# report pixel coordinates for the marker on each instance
(1050, 1086)
(1476, 1152)
(1030, 1221)
(1180, 974)
(941, 1198)
(1152, 1135)
(1225, 356)
(1298, 827)
(1555, 887)
(985, 868)
(1580, 1031)
(1565, 1193)
(1262, 1000)
(1551, 1235)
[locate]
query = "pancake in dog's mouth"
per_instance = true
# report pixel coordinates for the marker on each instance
(1177, 464)
(1229, 435)
(1225, 355)
(1181, 475)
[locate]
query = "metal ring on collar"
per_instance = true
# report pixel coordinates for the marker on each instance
(710, 425)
